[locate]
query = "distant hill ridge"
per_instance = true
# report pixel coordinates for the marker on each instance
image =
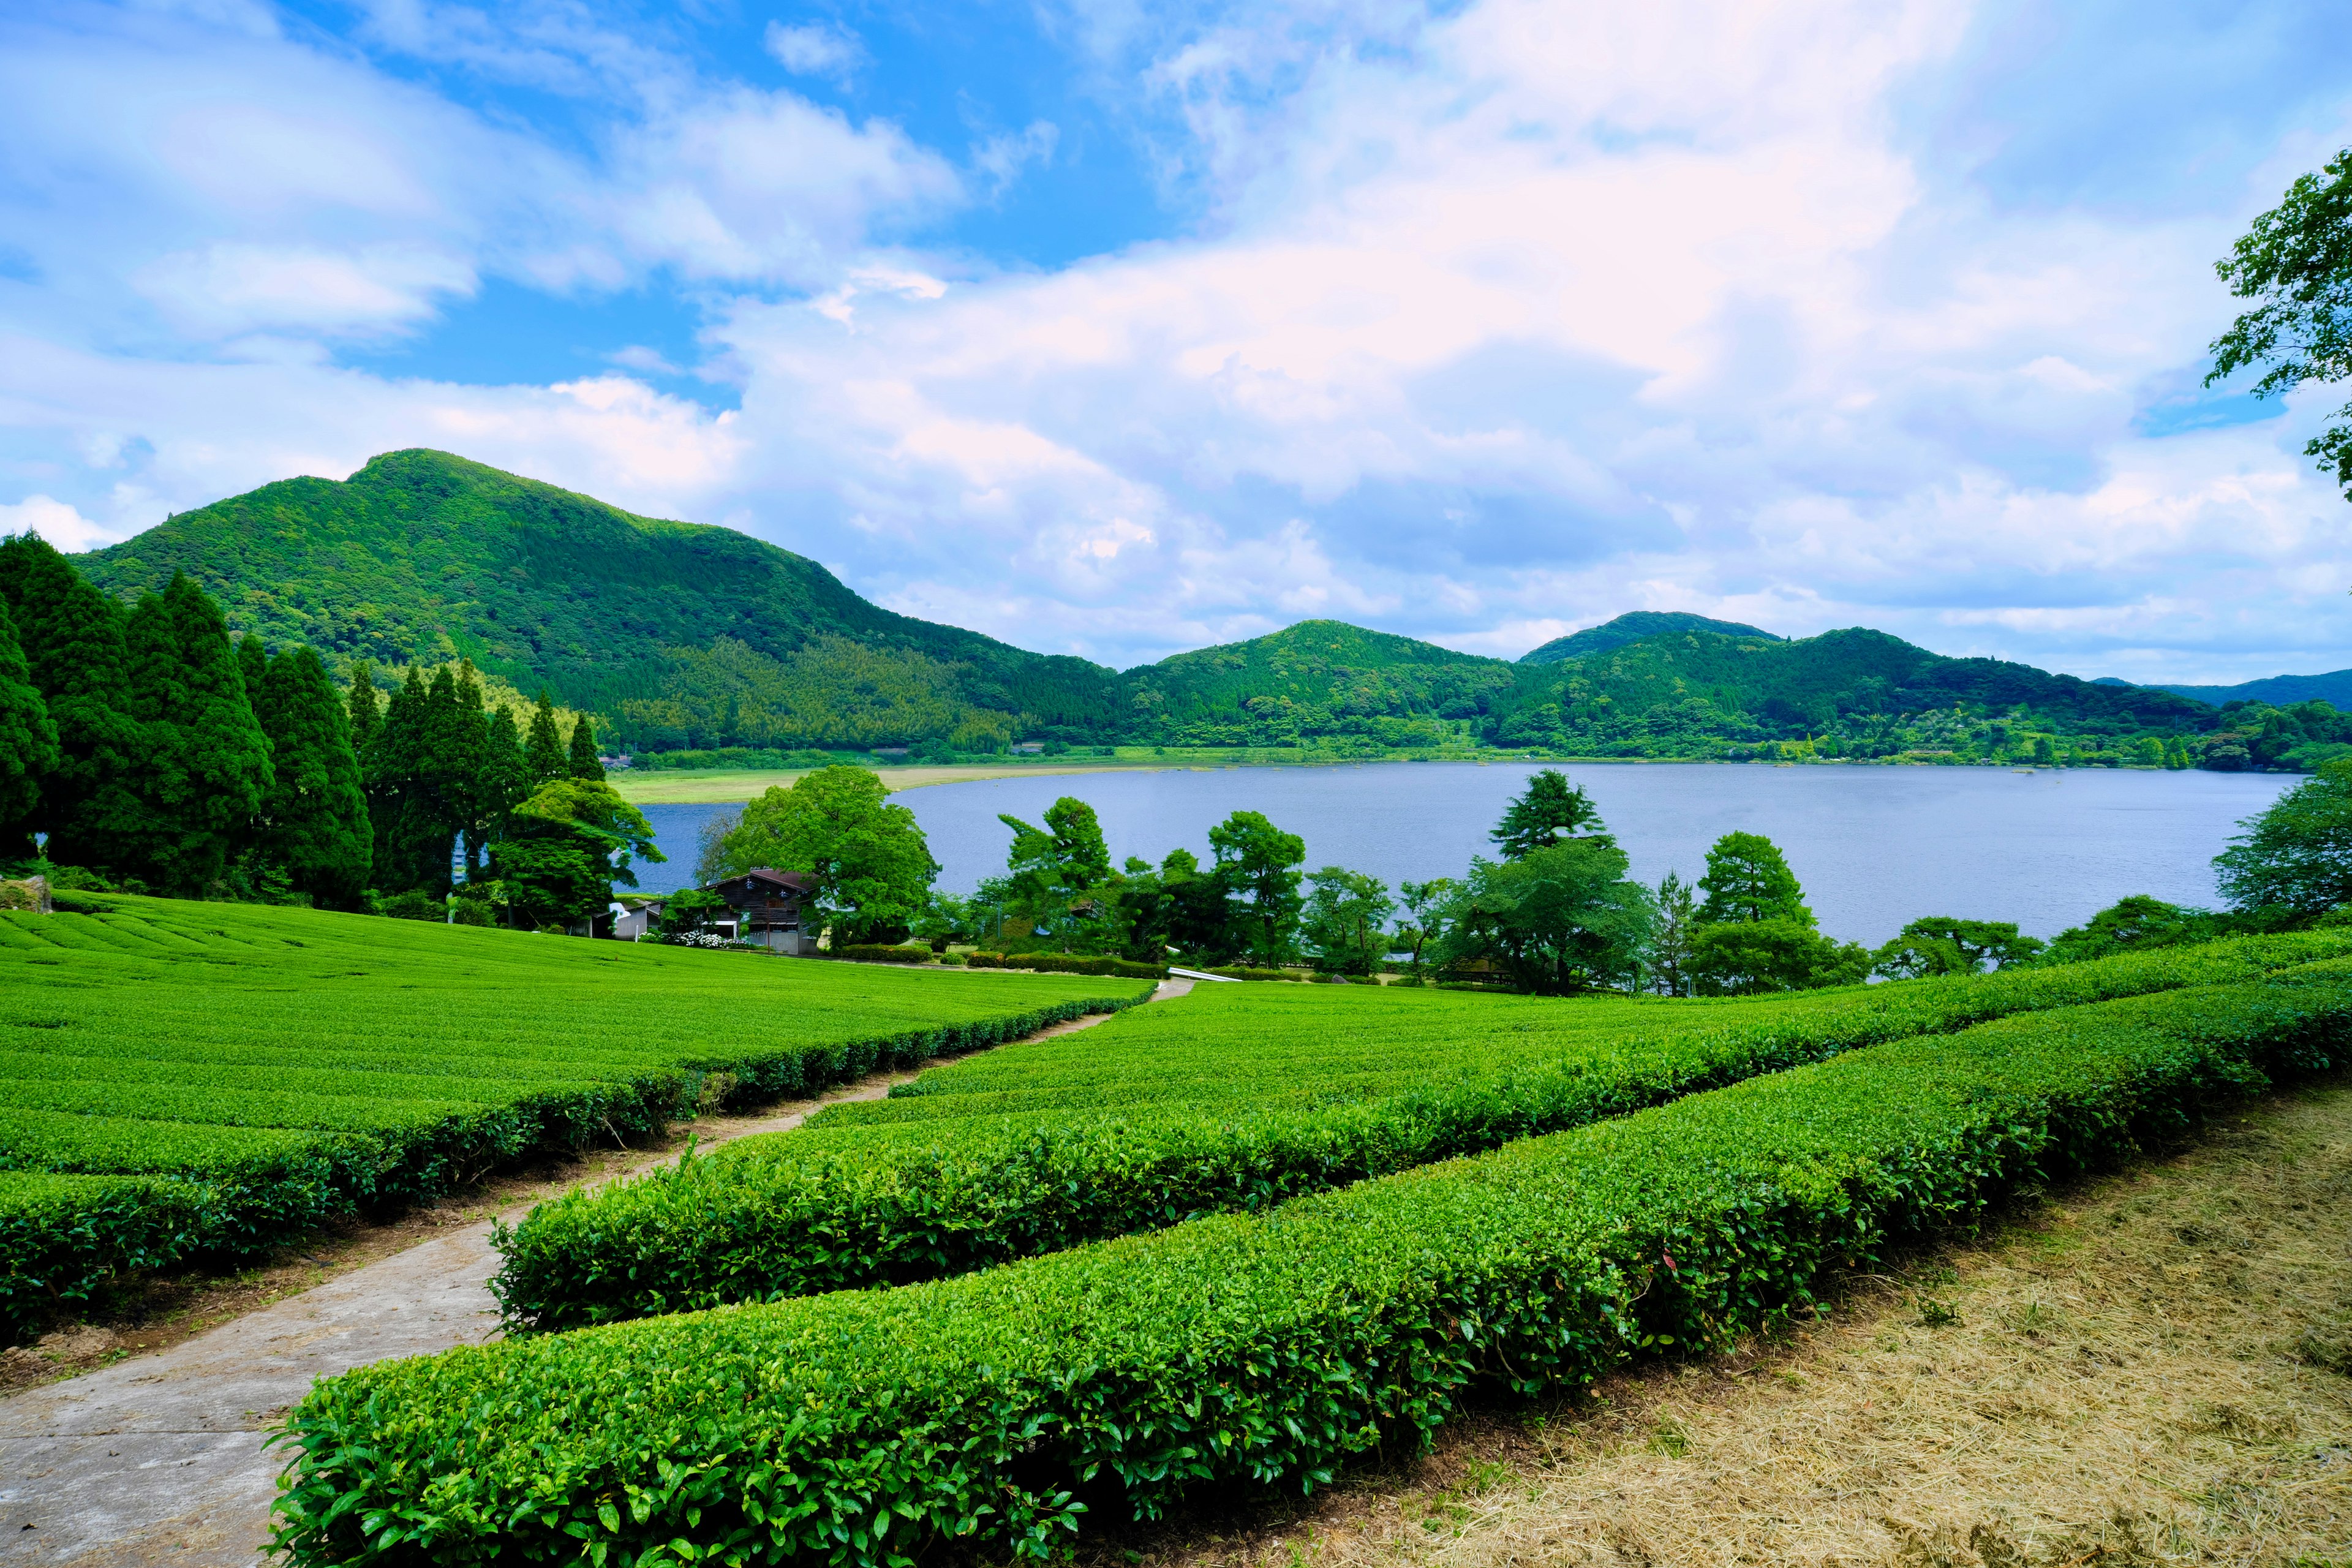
(679, 635)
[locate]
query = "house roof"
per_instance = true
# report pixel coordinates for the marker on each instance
(788, 881)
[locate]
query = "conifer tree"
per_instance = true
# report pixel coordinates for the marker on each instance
(72, 636)
(466, 746)
(397, 771)
(1748, 879)
(505, 778)
(364, 716)
(316, 830)
(207, 764)
(28, 745)
(583, 764)
(252, 668)
(543, 756)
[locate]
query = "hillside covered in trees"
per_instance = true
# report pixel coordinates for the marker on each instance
(676, 635)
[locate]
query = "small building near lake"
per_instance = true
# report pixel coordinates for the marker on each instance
(763, 907)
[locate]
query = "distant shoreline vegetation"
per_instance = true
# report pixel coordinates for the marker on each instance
(676, 638)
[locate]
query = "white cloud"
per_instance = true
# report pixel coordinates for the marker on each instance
(816, 48)
(57, 522)
(225, 289)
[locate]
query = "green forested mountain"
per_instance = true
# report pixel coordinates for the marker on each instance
(679, 633)
(2334, 688)
(1633, 626)
(681, 636)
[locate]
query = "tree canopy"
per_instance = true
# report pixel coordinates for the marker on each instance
(872, 867)
(1549, 812)
(1556, 920)
(1748, 879)
(2296, 854)
(1257, 864)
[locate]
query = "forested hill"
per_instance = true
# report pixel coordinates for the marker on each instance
(679, 633)
(680, 636)
(1634, 626)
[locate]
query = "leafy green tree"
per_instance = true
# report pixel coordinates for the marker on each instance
(1941, 944)
(1059, 867)
(1744, 958)
(1424, 903)
(1551, 811)
(2296, 262)
(29, 744)
(582, 762)
(1345, 922)
(569, 843)
(2130, 924)
(208, 766)
(1556, 920)
(544, 753)
(2297, 854)
(945, 920)
(1671, 937)
(872, 867)
(1748, 879)
(72, 640)
(1257, 864)
(687, 914)
(1199, 915)
(710, 846)
(2044, 754)
(365, 713)
(315, 829)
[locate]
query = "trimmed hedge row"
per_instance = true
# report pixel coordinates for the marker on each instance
(63, 1237)
(1068, 963)
(930, 1183)
(999, 1408)
(883, 953)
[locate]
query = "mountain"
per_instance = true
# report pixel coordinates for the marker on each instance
(1634, 626)
(1316, 679)
(677, 633)
(680, 635)
(2278, 691)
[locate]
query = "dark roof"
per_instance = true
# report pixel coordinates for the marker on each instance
(790, 881)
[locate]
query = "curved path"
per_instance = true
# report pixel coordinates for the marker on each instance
(160, 1461)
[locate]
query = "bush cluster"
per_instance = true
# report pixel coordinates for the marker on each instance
(1068, 963)
(1002, 1407)
(1236, 1098)
(883, 953)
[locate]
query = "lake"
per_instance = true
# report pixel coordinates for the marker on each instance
(1874, 846)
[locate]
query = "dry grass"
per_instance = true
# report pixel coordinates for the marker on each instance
(2151, 1369)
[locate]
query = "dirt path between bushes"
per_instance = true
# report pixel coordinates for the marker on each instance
(158, 1459)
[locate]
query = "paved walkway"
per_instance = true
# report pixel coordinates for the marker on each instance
(159, 1460)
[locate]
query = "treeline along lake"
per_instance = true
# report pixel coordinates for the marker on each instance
(1874, 846)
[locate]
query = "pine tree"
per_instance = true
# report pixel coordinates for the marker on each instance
(28, 745)
(1748, 879)
(72, 636)
(318, 833)
(543, 756)
(208, 762)
(1553, 811)
(583, 764)
(366, 718)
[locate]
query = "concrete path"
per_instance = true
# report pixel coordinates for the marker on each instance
(159, 1460)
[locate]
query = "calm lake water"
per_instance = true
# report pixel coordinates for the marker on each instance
(1874, 846)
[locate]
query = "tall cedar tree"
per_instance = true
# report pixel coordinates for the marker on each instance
(461, 732)
(1553, 811)
(207, 765)
(28, 745)
(364, 713)
(412, 851)
(543, 755)
(1748, 879)
(504, 782)
(583, 764)
(315, 829)
(253, 671)
(73, 644)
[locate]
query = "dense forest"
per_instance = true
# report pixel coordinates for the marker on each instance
(681, 637)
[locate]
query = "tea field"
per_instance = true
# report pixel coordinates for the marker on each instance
(182, 1078)
(1236, 1098)
(1010, 1408)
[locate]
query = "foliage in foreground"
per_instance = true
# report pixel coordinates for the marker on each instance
(1233, 1097)
(1003, 1407)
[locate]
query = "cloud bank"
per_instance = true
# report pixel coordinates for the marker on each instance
(1477, 325)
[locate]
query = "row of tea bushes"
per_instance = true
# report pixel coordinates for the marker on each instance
(289, 1066)
(999, 1408)
(1231, 1099)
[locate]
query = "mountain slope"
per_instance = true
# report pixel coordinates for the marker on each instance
(1634, 626)
(2278, 691)
(1316, 678)
(681, 634)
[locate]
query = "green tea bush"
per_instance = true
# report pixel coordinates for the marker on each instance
(880, 952)
(999, 1409)
(63, 1237)
(1068, 963)
(295, 1065)
(1234, 1098)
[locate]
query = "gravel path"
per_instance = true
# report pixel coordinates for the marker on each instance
(159, 1460)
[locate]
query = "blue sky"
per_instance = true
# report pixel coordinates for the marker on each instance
(1115, 329)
